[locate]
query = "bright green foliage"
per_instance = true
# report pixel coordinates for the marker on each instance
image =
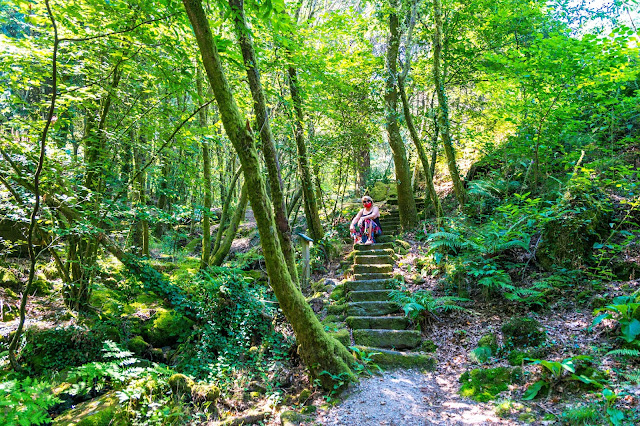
(626, 311)
(422, 306)
(555, 371)
(485, 384)
(237, 316)
(489, 340)
(61, 347)
(25, 402)
(168, 327)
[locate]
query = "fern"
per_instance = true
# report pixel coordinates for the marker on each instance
(625, 352)
(422, 306)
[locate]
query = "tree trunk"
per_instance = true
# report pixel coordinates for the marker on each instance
(206, 180)
(320, 352)
(225, 211)
(364, 167)
(218, 257)
(306, 179)
(422, 154)
(264, 127)
(443, 111)
(406, 201)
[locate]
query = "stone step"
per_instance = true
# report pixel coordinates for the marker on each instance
(376, 252)
(371, 247)
(371, 309)
(387, 358)
(368, 268)
(363, 285)
(384, 238)
(374, 259)
(395, 339)
(386, 323)
(372, 276)
(368, 295)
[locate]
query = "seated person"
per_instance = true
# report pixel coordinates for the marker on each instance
(366, 225)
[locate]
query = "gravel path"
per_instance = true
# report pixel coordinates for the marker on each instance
(408, 398)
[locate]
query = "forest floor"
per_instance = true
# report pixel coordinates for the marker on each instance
(412, 397)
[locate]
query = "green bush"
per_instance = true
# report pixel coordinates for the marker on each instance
(61, 347)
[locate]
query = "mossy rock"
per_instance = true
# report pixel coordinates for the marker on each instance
(167, 328)
(308, 409)
(481, 354)
(567, 240)
(381, 191)
(337, 293)
(137, 345)
(41, 287)
(337, 309)
(181, 384)
(483, 385)
(329, 319)
(522, 332)
(205, 392)
(342, 336)
(489, 340)
(50, 271)
(428, 346)
(292, 418)
(102, 411)
(8, 279)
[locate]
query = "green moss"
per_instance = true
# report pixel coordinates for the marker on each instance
(8, 279)
(337, 309)
(516, 357)
(292, 418)
(480, 355)
(428, 346)
(342, 336)
(523, 332)
(102, 411)
(181, 384)
(137, 345)
(405, 245)
(337, 293)
(330, 319)
(491, 341)
(483, 385)
(304, 396)
(206, 392)
(41, 287)
(309, 409)
(167, 327)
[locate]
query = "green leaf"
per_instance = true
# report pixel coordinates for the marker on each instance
(533, 390)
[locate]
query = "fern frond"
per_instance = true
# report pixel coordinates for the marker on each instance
(625, 352)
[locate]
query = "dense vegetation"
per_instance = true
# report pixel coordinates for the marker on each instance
(157, 159)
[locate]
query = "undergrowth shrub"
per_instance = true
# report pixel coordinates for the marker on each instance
(61, 347)
(238, 331)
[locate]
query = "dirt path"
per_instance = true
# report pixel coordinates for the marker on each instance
(409, 398)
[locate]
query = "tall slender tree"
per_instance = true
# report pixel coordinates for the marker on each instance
(443, 106)
(263, 125)
(320, 352)
(406, 200)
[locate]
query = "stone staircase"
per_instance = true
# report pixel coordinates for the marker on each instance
(378, 325)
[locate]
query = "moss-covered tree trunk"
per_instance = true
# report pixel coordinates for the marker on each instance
(306, 179)
(224, 217)
(406, 200)
(320, 352)
(229, 234)
(206, 180)
(422, 154)
(263, 125)
(443, 106)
